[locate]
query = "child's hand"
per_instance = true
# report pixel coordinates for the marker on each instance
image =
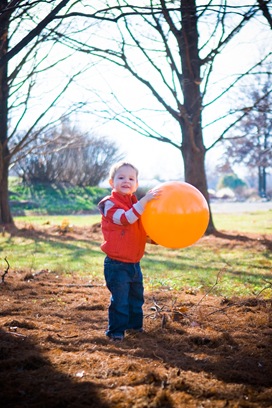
(150, 195)
(153, 194)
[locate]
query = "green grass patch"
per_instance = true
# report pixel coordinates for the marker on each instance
(49, 252)
(45, 198)
(76, 220)
(224, 272)
(239, 270)
(259, 222)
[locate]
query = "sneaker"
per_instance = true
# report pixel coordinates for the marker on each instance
(115, 338)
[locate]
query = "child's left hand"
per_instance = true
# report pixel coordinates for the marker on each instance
(153, 194)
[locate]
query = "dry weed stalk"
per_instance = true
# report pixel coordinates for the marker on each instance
(265, 288)
(220, 273)
(6, 271)
(164, 313)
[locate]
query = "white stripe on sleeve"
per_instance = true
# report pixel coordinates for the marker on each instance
(138, 207)
(108, 205)
(130, 216)
(117, 216)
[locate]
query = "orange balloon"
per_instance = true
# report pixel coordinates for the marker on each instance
(178, 218)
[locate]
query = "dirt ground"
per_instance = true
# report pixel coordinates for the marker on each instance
(195, 352)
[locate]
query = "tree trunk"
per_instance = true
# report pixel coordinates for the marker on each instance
(262, 181)
(5, 214)
(193, 149)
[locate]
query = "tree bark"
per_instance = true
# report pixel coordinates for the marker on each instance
(5, 213)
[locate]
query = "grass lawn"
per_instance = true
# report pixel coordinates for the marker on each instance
(223, 267)
(259, 222)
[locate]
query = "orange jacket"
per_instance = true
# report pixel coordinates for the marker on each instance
(124, 235)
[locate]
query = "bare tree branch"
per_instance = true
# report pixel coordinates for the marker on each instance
(34, 33)
(263, 6)
(244, 113)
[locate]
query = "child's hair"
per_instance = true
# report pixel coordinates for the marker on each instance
(117, 166)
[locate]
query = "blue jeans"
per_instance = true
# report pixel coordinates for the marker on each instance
(125, 282)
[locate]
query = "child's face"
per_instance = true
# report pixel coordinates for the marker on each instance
(125, 180)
